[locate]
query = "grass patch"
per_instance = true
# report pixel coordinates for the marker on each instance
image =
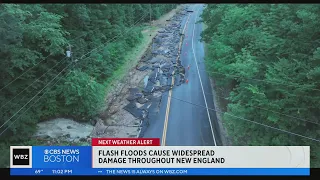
(131, 58)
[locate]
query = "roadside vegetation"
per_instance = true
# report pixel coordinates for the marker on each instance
(267, 58)
(34, 40)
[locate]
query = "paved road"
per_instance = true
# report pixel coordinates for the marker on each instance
(181, 122)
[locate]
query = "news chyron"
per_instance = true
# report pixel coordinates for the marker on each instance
(133, 156)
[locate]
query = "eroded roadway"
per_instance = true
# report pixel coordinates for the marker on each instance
(183, 119)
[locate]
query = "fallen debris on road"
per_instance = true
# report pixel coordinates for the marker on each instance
(164, 65)
(135, 100)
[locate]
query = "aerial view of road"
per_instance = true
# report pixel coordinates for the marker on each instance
(183, 120)
(188, 74)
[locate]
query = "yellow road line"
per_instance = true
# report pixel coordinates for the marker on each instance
(165, 126)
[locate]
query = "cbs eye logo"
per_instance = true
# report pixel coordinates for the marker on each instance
(20, 156)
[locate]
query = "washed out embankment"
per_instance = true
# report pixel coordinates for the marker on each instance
(137, 101)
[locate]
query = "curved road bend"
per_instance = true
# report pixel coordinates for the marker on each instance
(180, 123)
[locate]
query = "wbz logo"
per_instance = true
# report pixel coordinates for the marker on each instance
(20, 156)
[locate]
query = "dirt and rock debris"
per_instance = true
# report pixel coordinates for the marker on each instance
(62, 129)
(137, 99)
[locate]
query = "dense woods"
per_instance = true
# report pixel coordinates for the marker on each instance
(267, 57)
(34, 39)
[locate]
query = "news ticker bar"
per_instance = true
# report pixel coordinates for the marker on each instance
(163, 171)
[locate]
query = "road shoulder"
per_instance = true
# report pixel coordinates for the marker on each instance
(225, 139)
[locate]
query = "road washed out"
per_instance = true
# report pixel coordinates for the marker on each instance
(163, 63)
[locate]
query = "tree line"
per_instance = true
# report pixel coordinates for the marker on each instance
(267, 57)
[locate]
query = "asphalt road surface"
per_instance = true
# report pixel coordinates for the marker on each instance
(183, 119)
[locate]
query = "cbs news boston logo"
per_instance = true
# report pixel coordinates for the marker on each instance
(20, 156)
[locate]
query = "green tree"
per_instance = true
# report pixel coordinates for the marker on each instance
(267, 56)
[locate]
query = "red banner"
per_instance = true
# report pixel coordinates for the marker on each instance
(125, 142)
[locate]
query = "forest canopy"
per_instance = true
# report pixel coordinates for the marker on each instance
(267, 57)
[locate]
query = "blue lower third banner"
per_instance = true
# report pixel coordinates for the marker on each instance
(159, 160)
(162, 171)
